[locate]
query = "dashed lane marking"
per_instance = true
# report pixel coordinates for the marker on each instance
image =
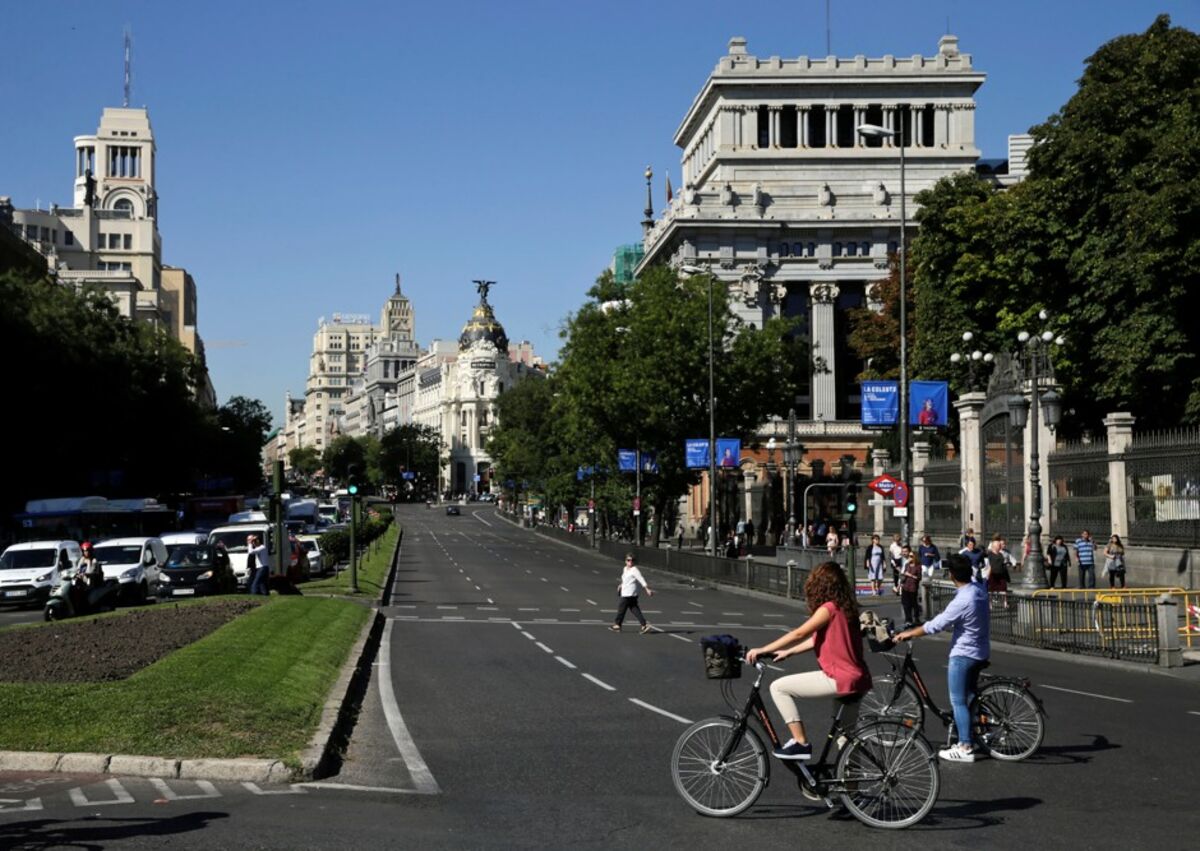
(568, 610)
(543, 647)
(568, 590)
(680, 637)
(528, 635)
(257, 790)
(1088, 694)
(600, 683)
(27, 805)
(661, 712)
(529, 610)
(453, 618)
(565, 662)
(449, 608)
(1193, 712)
(731, 614)
(591, 602)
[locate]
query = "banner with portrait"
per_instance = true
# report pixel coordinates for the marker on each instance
(928, 403)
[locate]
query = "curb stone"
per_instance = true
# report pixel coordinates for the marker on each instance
(336, 721)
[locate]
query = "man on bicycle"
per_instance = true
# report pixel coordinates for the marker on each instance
(970, 648)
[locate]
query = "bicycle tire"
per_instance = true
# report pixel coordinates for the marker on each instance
(727, 790)
(883, 701)
(888, 775)
(1009, 723)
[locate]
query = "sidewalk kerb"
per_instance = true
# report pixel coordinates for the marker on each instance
(143, 766)
(28, 760)
(84, 763)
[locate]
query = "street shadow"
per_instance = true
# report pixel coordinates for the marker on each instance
(97, 833)
(1072, 754)
(949, 814)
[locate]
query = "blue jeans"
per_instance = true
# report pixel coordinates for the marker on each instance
(963, 677)
(1087, 576)
(258, 585)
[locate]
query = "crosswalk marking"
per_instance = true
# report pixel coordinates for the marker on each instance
(27, 805)
(121, 796)
(207, 790)
(257, 790)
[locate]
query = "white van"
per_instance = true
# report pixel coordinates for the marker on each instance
(174, 540)
(233, 537)
(30, 571)
(135, 563)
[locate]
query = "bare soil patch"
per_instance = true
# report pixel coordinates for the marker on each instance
(93, 649)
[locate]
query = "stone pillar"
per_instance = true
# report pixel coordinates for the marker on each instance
(918, 126)
(881, 459)
(774, 113)
(831, 127)
(1120, 438)
(889, 121)
(969, 407)
(824, 297)
(802, 116)
(860, 117)
(917, 514)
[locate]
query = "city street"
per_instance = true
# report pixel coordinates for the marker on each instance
(509, 715)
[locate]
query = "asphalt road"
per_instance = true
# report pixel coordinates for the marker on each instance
(506, 714)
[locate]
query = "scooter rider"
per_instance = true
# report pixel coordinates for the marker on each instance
(89, 566)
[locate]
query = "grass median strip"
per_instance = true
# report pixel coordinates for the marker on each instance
(254, 688)
(372, 570)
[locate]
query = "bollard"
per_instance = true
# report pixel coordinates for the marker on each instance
(1170, 654)
(790, 565)
(926, 598)
(749, 568)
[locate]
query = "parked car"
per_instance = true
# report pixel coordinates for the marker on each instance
(312, 550)
(30, 572)
(452, 511)
(234, 538)
(174, 540)
(135, 563)
(197, 570)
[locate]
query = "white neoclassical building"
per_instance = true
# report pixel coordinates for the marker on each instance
(454, 390)
(794, 210)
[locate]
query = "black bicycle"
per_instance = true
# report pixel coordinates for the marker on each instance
(1008, 718)
(884, 775)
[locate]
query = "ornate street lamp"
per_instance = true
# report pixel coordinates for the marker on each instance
(973, 359)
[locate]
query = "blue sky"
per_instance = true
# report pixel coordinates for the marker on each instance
(308, 151)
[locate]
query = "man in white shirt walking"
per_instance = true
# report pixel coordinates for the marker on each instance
(631, 578)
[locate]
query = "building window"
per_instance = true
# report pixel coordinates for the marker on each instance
(124, 205)
(783, 249)
(788, 137)
(68, 238)
(45, 234)
(845, 126)
(893, 247)
(865, 249)
(764, 127)
(837, 249)
(851, 249)
(127, 241)
(927, 129)
(816, 127)
(114, 241)
(812, 250)
(873, 114)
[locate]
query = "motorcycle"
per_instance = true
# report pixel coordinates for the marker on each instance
(74, 596)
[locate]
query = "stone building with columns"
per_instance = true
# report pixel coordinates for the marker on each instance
(798, 214)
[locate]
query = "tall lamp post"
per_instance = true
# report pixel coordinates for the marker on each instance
(770, 518)
(972, 359)
(874, 131)
(712, 421)
(791, 457)
(1033, 356)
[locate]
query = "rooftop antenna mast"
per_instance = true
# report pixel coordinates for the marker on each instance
(828, 41)
(128, 65)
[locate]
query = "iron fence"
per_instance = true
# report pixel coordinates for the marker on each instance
(1164, 488)
(1114, 629)
(943, 500)
(1079, 487)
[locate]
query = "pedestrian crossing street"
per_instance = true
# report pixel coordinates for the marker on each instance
(38, 792)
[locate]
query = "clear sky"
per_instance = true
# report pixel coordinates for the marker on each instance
(308, 151)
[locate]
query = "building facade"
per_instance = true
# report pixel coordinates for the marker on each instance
(109, 239)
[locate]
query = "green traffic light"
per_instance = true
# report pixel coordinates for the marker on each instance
(353, 489)
(851, 508)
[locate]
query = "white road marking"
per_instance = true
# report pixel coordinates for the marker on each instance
(528, 635)
(449, 608)
(453, 618)
(591, 602)
(254, 788)
(694, 603)
(680, 637)
(565, 662)
(1087, 694)
(529, 610)
(527, 570)
(661, 712)
(1193, 712)
(405, 606)
(417, 769)
(480, 519)
(568, 590)
(350, 787)
(568, 610)
(772, 616)
(487, 608)
(477, 588)
(729, 614)
(490, 600)
(683, 623)
(206, 788)
(544, 579)
(514, 623)
(29, 805)
(600, 683)
(544, 647)
(121, 796)
(695, 613)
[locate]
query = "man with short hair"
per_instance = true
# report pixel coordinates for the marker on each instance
(974, 557)
(260, 562)
(1085, 556)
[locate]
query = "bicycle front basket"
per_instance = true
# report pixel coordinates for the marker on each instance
(721, 657)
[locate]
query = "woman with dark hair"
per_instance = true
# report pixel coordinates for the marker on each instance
(1114, 561)
(832, 632)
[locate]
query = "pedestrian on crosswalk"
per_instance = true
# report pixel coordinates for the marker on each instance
(631, 578)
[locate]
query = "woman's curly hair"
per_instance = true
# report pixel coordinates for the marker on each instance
(828, 582)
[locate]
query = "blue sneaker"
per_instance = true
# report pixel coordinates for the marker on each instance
(791, 749)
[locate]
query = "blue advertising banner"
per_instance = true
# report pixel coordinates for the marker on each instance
(729, 450)
(928, 403)
(649, 462)
(695, 453)
(627, 460)
(880, 403)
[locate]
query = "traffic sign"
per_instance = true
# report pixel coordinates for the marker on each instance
(637, 504)
(883, 485)
(900, 512)
(900, 494)
(591, 505)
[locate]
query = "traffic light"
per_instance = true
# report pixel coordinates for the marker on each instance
(852, 499)
(352, 479)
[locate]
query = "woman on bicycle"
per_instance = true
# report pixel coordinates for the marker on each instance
(969, 650)
(832, 632)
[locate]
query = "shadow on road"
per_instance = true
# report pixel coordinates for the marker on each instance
(96, 833)
(1072, 754)
(971, 815)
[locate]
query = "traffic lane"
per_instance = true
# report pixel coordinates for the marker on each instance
(10, 615)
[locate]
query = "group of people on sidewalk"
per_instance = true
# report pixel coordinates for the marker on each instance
(1057, 559)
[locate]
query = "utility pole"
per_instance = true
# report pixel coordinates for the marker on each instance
(279, 568)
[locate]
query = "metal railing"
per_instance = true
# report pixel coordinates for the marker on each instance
(1164, 496)
(1115, 629)
(1079, 488)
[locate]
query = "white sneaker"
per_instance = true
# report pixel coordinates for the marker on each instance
(957, 753)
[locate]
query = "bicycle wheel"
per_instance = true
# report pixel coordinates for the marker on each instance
(892, 698)
(1009, 724)
(888, 775)
(719, 789)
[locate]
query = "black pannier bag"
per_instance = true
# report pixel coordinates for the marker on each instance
(721, 657)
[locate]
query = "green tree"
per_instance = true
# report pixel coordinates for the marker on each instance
(245, 424)
(340, 454)
(305, 460)
(410, 448)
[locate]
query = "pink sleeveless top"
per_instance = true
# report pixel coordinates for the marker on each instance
(840, 654)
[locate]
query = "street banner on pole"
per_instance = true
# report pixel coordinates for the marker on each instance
(649, 462)
(695, 453)
(928, 403)
(880, 403)
(729, 451)
(627, 460)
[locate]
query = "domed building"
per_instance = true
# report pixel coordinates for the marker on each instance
(456, 390)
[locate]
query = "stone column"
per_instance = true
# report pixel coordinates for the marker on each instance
(889, 121)
(1120, 438)
(917, 519)
(831, 127)
(969, 407)
(802, 117)
(918, 135)
(774, 113)
(824, 297)
(881, 459)
(860, 116)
